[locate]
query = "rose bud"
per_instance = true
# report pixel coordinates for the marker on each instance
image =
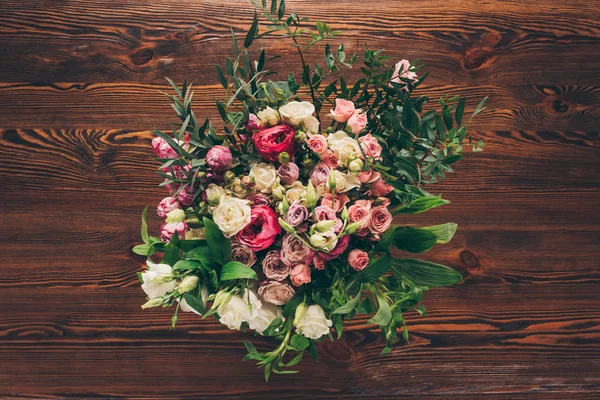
(166, 205)
(300, 274)
(358, 259)
(188, 283)
(356, 166)
(229, 176)
(288, 172)
(300, 136)
(254, 123)
(193, 222)
(278, 193)
(379, 188)
(175, 216)
(283, 157)
(219, 158)
(358, 121)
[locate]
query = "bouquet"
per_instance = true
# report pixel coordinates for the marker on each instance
(281, 224)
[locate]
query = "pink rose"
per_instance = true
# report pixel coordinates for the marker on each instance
(369, 176)
(358, 259)
(242, 254)
(317, 143)
(167, 205)
(219, 158)
(319, 262)
(272, 141)
(337, 204)
(253, 123)
(401, 71)
(357, 122)
(162, 149)
(260, 199)
(319, 174)
(294, 251)
(383, 201)
(297, 214)
(344, 109)
(341, 246)
(262, 230)
(380, 220)
(288, 173)
(330, 159)
(167, 231)
(359, 211)
(276, 292)
(186, 196)
(379, 188)
(274, 267)
(300, 274)
(324, 213)
(371, 146)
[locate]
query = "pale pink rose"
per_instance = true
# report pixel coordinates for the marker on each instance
(336, 204)
(260, 199)
(167, 205)
(219, 158)
(343, 110)
(369, 176)
(358, 121)
(319, 262)
(317, 143)
(243, 254)
(186, 196)
(274, 267)
(300, 275)
(324, 213)
(330, 159)
(253, 123)
(359, 211)
(293, 251)
(168, 230)
(162, 149)
(358, 259)
(379, 188)
(277, 293)
(288, 173)
(383, 201)
(380, 220)
(403, 66)
(341, 246)
(371, 146)
(297, 214)
(320, 174)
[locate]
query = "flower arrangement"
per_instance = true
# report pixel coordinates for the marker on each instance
(283, 224)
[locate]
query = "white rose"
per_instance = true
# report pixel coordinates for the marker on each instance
(295, 191)
(240, 308)
(345, 182)
(294, 112)
(232, 215)
(310, 124)
(314, 323)
(268, 117)
(158, 280)
(345, 148)
(213, 194)
(185, 307)
(265, 177)
(267, 314)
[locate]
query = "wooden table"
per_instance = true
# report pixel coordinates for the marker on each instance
(79, 84)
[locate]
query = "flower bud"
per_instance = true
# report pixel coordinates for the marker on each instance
(155, 302)
(285, 205)
(311, 195)
(300, 136)
(283, 157)
(193, 222)
(353, 228)
(330, 129)
(247, 181)
(356, 166)
(332, 182)
(324, 226)
(345, 214)
(201, 175)
(279, 208)
(229, 176)
(188, 283)
(175, 216)
(318, 240)
(300, 311)
(286, 227)
(279, 193)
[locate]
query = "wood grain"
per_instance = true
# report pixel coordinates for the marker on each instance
(79, 92)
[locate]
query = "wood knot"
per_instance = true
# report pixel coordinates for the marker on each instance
(560, 106)
(142, 56)
(476, 58)
(469, 259)
(179, 35)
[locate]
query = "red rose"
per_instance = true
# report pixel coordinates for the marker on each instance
(272, 141)
(262, 230)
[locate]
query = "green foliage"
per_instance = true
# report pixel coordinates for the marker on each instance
(237, 270)
(218, 244)
(425, 273)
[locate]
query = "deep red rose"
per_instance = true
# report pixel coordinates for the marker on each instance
(272, 141)
(262, 230)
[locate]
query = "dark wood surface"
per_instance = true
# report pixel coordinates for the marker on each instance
(79, 85)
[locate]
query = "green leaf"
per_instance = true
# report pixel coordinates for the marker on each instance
(281, 11)
(350, 305)
(195, 301)
(221, 76)
(177, 90)
(235, 44)
(236, 270)
(447, 117)
(145, 236)
(413, 240)
(444, 232)
(460, 110)
(294, 360)
(329, 60)
(480, 107)
(425, 273)
(341, 54)
(186, 265)
(299, 342)
(421, 204)
(172, 251)
(384, 312)
(261, 61)
(218, 244)
(375, 269)
(312, 350)
(202, 254)
(141, 249)
(386, 240)
(222, 110)
(273, 6)
(252, 31)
